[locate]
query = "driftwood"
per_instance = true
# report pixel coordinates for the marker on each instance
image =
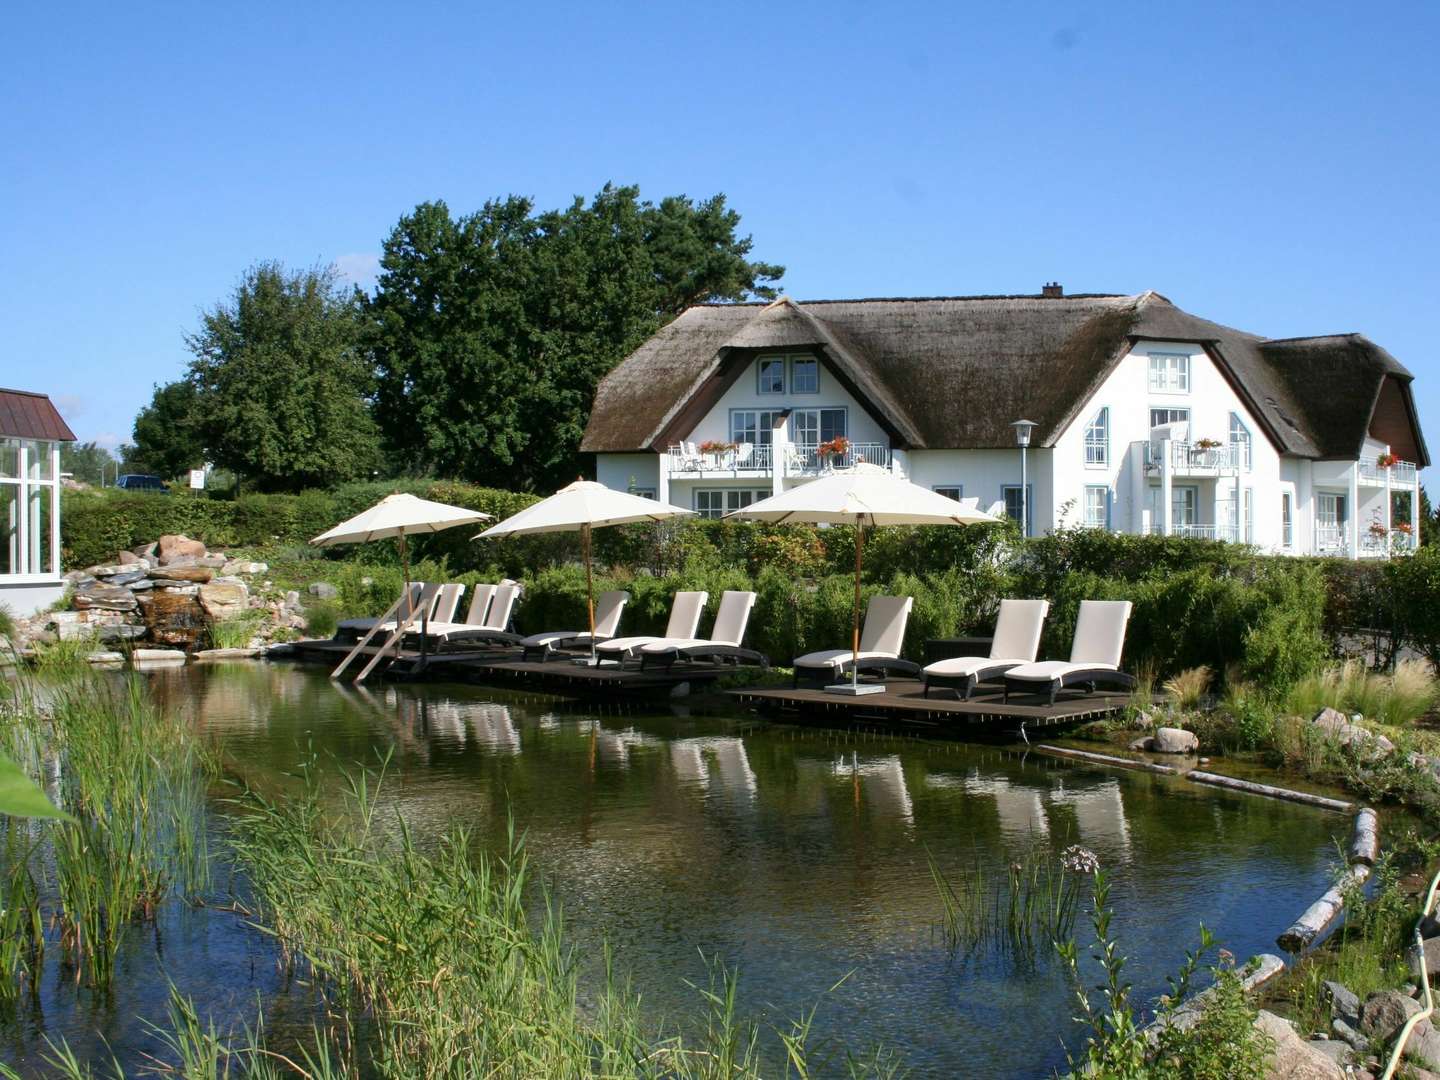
(1106, 759)
(1322, 912)
(1365, 838)
(1253, 788)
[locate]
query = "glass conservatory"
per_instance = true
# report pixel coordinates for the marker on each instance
(31, 432)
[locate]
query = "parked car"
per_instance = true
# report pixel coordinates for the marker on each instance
(141, 482)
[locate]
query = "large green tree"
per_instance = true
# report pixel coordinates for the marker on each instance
(88, 462)
(489, 332)
(168, 441)
(281, 383)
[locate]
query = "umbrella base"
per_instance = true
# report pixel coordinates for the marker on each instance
(854, 689)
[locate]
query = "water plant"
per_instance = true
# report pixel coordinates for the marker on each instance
(1033, 905)
(234, 632)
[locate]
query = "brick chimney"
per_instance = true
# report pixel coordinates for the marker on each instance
(1052, 291)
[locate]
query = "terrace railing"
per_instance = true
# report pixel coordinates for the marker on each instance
(807, 459)
(747, 457)
(1402, 472)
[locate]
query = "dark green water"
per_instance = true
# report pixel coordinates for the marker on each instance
(796, 854)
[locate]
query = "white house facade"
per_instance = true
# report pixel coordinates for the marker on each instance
(31, 431)
(1147, 419)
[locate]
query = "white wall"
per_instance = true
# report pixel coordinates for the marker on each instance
(983, 473)
(618, 471)
(744, 394)
(1127, 393)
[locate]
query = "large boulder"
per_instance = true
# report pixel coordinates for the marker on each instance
(179, 547)
(109, 597)
(324, 590)
(224, 598)
(128, 578)
(1292, 1058)
(1335, 726)
(1385, 1011)
(129, 558)
(1423, 1046)
(106, 570)
(1430, 958)
(1170, 740)
(198, 574)
(1343, 1002)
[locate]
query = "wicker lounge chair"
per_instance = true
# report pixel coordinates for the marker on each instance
(881, 639)
(685, 611)
(724, 643)
(1017, 637)
(1094, 658)
(608, 610)
(493, 629)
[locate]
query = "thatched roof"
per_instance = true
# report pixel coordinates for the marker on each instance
(27, 415)
(952, 372)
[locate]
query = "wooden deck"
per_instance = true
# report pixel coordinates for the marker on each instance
(904, 703)
(565, 677)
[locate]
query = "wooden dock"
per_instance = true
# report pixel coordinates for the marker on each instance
(565, 677)
(904, 704)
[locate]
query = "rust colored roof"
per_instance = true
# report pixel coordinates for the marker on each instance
(27, 415)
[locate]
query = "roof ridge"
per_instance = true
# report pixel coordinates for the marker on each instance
(924, 299)
(1314, 337)
(27, 393)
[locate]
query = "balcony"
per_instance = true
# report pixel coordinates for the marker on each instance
(754, 460)
(1401, 474)
(1192, 459)
(807, 461)
(1193, 531)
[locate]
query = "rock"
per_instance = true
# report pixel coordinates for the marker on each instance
(1347, 1033)
(1384, 1012)
(1431, 960)
(77, 577)
(227, 654)
(292, 601)
(178, 588)
(1343, 1002)
(1292, 1058)
(111, 597)
(106, 570)
(183, 573)
(324, 590)
(145, 551)
(244, 566)
(143, 585)
(1142, 743)
(1335, 726)
(224, 598)
(129, 558)
(157, 656)
(1169, 740)
(1423, 1045)
(179, 547)
(1338, 1052)
(120, 632)
(103, 658)
(214, 562)
(129, 578)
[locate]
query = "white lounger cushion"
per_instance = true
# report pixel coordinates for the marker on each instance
(496, 618)
(1017, 639)
(833, 658)
(731, 620)
(881, 637)
(1099, 642)
(685, 612)
(608, 609)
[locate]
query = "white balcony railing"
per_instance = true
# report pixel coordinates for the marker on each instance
(1190, 458)
(745, 458)
(1401, 473)
(806, 460)
(1194, 531)
(1332, 540)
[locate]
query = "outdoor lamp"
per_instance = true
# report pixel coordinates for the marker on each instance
(1023, 428)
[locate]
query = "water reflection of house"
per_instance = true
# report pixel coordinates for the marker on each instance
(730, 772)
(882, 779)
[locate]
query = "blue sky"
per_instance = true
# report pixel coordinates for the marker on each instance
(1272, 167)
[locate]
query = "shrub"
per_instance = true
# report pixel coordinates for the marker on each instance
(322, 619)
(1416, 582)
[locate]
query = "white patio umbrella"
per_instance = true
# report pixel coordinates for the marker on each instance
(865, 497)
(582, 506)
(399, 515)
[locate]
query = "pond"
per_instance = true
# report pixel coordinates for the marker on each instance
(798, 855)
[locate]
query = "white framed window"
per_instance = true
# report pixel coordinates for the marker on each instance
(1161, 415)
(29, 509)
(1170, 373)
(1249, 516)
(1010, 493)
(1287, 520)
(1184, 508)
(811, 427)
(950, 491)
(1097, 506)
(1240, 442)
(770, 375)
(717, 502)
(753, 426)
(1097, 439)
(804, 375)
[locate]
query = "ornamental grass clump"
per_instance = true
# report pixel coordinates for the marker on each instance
(1187, 688)
(1396, 699)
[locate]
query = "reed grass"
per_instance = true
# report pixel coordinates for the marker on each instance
(1033, 906)
(434, 967)
(1187, 688)
(233, 633)
(1396, 699)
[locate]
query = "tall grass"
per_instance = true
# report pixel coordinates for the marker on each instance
(434, 968)
(235, 632)
(134, 781)
(1397, 699)
(1187, 688)
(1031, 907)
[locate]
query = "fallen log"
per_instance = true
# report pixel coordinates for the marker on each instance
(1252, 788)
(1322, 912)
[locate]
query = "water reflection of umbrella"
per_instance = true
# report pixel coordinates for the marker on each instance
(865, 496)
(580, 507)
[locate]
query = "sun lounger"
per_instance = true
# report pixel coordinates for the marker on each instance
(881, 639)
(685, 611)
(724, 643)
(608, 609)
(493, 628)
(354, 629)
(1094, 658)
(1017, 637)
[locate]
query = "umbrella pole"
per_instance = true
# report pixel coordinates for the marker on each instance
(855, 626)
(589, 587)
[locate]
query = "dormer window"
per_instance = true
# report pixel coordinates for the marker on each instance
(804, 375)
(1169, 373)
(1097, 439)
(772, 375)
